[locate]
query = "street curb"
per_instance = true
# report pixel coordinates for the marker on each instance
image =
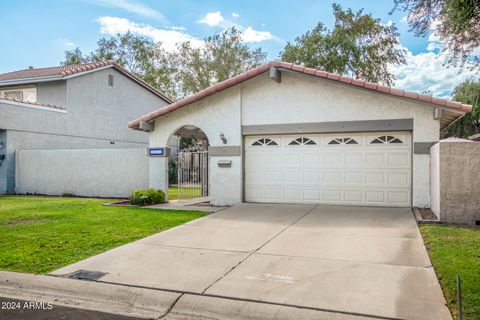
(89, 295)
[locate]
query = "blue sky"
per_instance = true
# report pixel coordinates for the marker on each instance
(39, 31)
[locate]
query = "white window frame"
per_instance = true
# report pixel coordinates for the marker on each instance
(22, 90)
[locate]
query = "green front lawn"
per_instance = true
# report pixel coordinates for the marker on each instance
(193, 192)
(455, 250)
(41, 234)
(172, 193)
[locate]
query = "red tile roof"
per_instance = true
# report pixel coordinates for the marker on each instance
(313, 72)
(38, 104)
(61, 71)
(65, 71)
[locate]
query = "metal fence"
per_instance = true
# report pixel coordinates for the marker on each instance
(192, 174)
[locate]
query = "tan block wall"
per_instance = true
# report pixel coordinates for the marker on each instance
(459, 182)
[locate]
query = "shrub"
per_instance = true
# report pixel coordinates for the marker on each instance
(68, 195)
(155, 196)
(147, 197)
(137, 197)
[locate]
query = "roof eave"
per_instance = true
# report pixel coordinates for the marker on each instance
(32, 106)
(29, 80)
(429, 101)
(87, 72)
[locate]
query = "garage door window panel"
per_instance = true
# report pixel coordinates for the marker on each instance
(340, 141)
(302, 142)
(264, 142)
(387, 140)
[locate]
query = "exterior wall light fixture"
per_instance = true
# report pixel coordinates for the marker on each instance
(222, 137)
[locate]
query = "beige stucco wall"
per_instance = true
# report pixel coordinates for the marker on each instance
(303, 99)
(214, 115)
(97, 117)
(435, 178)
(88, 172)
(458, 174)
(300, 99)
(297, 99)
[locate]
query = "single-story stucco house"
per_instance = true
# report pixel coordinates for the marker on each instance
(283, 133)
(84, 106)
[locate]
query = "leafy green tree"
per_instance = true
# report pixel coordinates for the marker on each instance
(74, 56)
(457, 23)
(223, 55)
(359, 46)
(466, 92)
(136, 53)
(180, 73)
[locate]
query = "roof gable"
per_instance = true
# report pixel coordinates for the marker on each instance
(457, 106)
(32, 75)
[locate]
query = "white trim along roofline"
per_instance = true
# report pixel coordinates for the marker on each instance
(30, 80)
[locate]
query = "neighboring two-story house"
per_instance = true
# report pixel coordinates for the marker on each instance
(83, 106)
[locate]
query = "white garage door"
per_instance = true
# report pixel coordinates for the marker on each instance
(356, 168)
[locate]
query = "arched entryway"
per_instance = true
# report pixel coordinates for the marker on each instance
(188, 165)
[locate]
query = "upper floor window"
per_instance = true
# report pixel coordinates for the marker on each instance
(20, 93)
(110, 80)
(386, 140)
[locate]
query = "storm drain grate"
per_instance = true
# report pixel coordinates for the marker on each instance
(86, 275)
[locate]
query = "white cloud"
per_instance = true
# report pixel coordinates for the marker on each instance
(432, 46)
(235, 15)
(216, 19)
(132, 6)
(425, 72)
(168, 37)
(434, 42)
(213, 19)
(177, 28)
(63, 42)
(252, 35)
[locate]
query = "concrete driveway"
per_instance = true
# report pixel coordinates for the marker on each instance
(334, 262)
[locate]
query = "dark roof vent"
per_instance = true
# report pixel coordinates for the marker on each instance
(30, 67)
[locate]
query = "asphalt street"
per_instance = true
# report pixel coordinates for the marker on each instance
(12, 309)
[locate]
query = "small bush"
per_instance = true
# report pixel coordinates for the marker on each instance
(147, 197)
(68, 195)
